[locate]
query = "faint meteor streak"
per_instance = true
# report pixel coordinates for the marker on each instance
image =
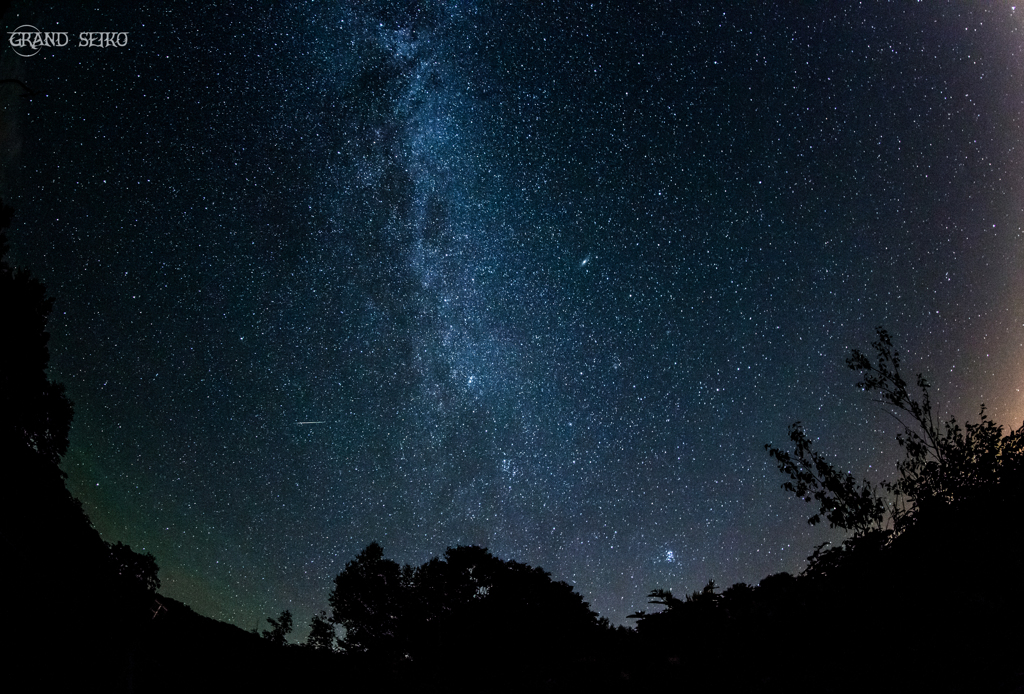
(311, 422)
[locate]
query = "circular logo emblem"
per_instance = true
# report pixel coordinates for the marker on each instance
(26, 40)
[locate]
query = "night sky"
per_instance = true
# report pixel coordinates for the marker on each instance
(542, 277)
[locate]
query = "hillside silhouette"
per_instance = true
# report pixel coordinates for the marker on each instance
(923, 594)
(74, 600)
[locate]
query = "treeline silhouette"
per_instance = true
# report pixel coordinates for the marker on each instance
(66, 589)
(923, 595)
(83, 614)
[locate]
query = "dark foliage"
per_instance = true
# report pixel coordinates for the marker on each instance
(134, 568)
(469, 611)
(35, 413)
(925, 591)
(59, 568)
(944, 464)
(945, 467)
(369, 601)
(843, 501)
(280, 628)
(322, 636)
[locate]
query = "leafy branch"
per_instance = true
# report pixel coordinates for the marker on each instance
(943, 462)
(845, 503)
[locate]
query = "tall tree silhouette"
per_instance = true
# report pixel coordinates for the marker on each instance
(931, 569)
(59, 567)
(369, 600)
(956, 487)
(943, 464)
(35, 413)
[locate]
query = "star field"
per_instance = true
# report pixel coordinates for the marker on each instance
(539, 278)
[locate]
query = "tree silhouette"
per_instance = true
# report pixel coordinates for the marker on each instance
(707, 597)
(35, 413)
(282, 626)
(41, 521)
(467, 611)
(60, 568)
(931, 570)
(134, 568)
(843, 501)
(956, 487)
(321, 633)
(369, 599)
(942, 464)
